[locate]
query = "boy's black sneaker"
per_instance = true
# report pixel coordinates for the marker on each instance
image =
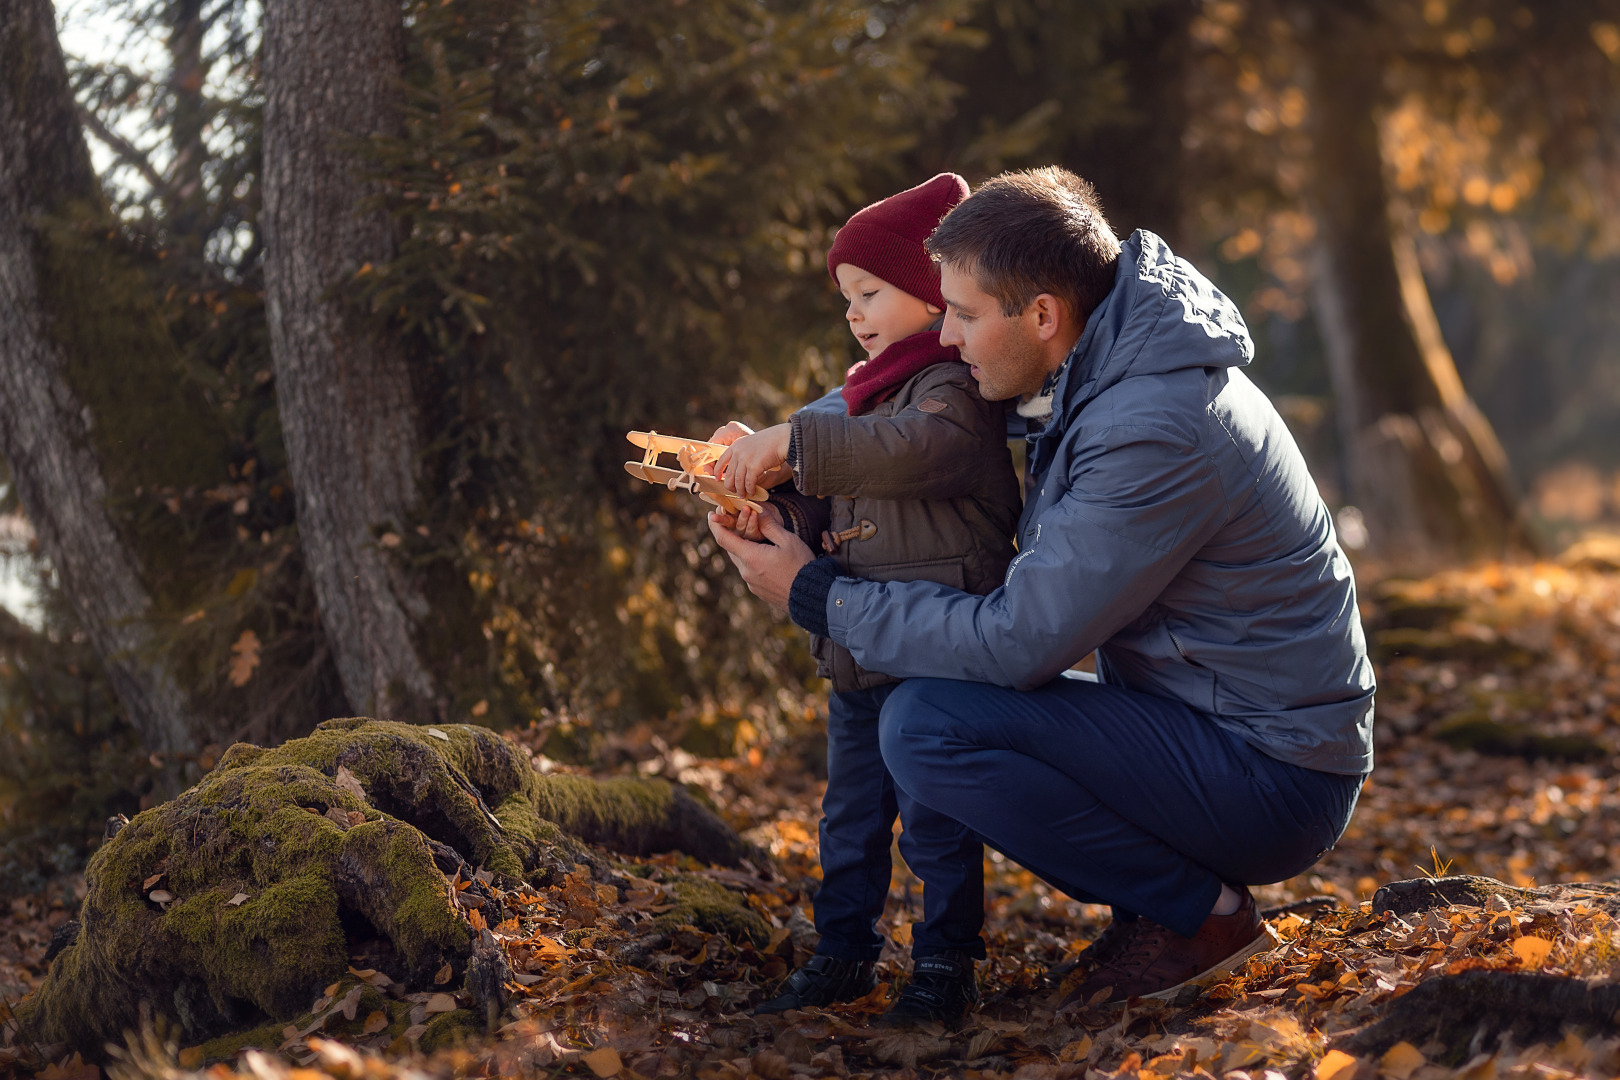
(822, 981)
(940, 991)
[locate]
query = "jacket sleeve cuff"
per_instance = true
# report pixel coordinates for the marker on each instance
(795, 454)
(807, 516)
(807, 601)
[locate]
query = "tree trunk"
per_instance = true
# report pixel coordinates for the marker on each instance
(330, 76)
(44, 427)
(1138, 161)
(188, 72)
(1423, 463)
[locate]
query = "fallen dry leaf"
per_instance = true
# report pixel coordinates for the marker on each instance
(1401, 1060)
(350, 1003)
(1337, 1065)
(246, 658)
(339, 817)
(74, 1068)
(604, 1062)
(238, 900)
(1532, 951)
(378, 1020)
(350, 783)
(440, 1003)
(437, 734)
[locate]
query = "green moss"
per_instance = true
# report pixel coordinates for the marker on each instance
(577, 803)
(1420, 614)
(308, 855)
(448, 1029)
(638, 816)
(257, 826)
(712, 907)
(407, 900)
(1475, 730)
(268, 1037)
(271, 1036)
(1445, 645)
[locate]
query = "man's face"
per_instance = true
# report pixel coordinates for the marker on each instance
(1007, 353)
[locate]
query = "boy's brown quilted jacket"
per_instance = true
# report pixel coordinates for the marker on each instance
(921, 488)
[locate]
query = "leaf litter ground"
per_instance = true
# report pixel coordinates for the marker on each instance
(1499, 714)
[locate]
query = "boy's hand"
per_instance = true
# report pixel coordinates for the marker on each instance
(750, 460)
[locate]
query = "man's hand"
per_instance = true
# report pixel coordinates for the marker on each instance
(767, 569)
(729, 434)
(758, 458)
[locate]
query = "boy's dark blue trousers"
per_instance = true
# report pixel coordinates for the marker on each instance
(1112, 796)
(856, 832)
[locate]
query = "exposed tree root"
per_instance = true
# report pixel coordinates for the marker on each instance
(1469, 1011)
(1421, 894)
(233, 905)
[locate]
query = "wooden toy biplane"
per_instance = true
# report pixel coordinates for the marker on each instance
(696, 459)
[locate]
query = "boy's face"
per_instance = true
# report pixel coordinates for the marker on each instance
(880, 314)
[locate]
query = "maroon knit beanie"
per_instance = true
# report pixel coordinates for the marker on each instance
(887, 237)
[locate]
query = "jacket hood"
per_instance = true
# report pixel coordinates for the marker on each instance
(1162, 315)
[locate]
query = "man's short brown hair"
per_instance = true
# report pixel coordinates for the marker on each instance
(1031, 232)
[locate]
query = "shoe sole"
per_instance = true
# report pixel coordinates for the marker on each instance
(1265, 942)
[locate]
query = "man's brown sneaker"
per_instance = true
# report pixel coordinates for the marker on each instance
(1103, 949)
(1158, 963)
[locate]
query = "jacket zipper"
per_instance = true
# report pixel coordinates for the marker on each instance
(1182, 649)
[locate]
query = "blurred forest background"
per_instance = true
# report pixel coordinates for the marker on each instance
(312, 397)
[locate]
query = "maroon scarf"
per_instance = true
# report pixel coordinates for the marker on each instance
(871, 381)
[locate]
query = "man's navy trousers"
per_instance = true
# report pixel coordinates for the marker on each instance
(857, 830)
(1112, 796)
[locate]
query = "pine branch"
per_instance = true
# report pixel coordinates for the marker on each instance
(128, 153)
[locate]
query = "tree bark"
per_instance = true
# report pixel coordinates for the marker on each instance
(44, 428)
(1423, 463)
(1138, 161)
(188, 72)
(330, 75)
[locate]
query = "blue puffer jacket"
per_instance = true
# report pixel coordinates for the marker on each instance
(1171, 525)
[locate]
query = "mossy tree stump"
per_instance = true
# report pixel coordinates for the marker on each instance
(232, 905)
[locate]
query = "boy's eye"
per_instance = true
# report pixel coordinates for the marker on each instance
(868, 295)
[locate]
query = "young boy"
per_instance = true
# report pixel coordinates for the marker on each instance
(903, 476)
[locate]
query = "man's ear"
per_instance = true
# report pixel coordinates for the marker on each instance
(932, 310)
(1048, 315)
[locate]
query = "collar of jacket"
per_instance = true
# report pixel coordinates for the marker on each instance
(1157, 298)
(872, 381)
